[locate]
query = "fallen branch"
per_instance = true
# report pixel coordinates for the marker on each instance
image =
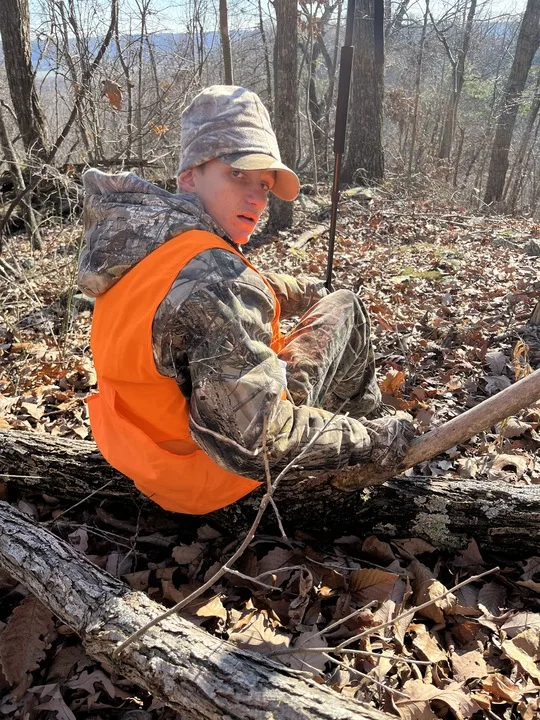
(197, 674)
(308, 235)
(461, 428)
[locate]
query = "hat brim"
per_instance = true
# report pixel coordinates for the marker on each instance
(287, 185)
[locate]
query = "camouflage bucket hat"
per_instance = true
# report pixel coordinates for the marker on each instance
(232, 124)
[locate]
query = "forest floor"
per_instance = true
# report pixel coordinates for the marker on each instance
(449, 295)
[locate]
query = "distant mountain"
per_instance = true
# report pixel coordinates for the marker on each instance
(162, 43)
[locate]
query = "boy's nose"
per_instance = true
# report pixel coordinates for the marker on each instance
(256, 196)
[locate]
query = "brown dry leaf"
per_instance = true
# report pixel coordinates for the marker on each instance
(522, 658)
(521, 621)
(86, 681)
(392, 382)
(410, 547)
(212, 608)
(78, 539)
(138, 580)
(273, 560)
(465, 632)
(502, 687)
(176, 595)
(427, 588)
(530, 584)
(512, 427)
(300, 659)
(426, 644)
(25, 639)
(529, 642)
(529, 709)
(35, 411)
(57, 704)
(65, 659)
(531, 568)
(504, 465)
(469, 665)
(187, 554)
(205, 532)
(417, 708)
(491, 599)
(260, 634)
(372, 584)
(377, 549)
(119, 564)
(470, 556)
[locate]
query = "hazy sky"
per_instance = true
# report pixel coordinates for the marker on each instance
(173, 15)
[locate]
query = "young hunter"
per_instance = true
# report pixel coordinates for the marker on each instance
(191, 364)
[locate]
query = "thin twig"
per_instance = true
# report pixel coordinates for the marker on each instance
(87, 497)
(348, 651)
(415, 609)
(239, 574)
(366, 676)
(269, 482)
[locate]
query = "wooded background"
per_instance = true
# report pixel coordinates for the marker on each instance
(92, 83)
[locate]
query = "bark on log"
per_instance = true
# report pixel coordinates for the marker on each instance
(199, 675)
(501, 517)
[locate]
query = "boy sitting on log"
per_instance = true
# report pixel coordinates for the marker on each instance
(196, 382)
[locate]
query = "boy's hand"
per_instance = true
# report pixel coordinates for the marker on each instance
(390, 439)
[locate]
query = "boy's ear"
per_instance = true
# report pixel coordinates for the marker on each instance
(186, 181)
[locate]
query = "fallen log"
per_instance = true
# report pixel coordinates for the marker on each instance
(197, 674)
(501, 517)
(445, 512)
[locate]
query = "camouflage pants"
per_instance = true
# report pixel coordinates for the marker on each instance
(330, 358)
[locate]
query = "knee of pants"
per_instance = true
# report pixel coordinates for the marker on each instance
(348, 298)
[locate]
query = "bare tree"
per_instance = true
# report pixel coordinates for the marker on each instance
(285, 102)
(365, 157)
(225, 42)
(15, 33)
(526, 47)
(418, 81)
(457, 61)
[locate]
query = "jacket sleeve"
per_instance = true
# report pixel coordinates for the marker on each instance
(296, 294)
(212, 333)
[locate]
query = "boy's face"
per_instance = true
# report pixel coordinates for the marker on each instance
(235, 199)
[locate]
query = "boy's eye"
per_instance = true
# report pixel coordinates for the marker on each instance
(265, 186)
(236, 173)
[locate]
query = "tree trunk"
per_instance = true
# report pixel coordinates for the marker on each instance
(417, 83)
(225, 42)
(515, 181)
(269, 102)
(201, 676)
(527, 44)
(365, 159)
(285, 102)
(15, 33)
(458, 78)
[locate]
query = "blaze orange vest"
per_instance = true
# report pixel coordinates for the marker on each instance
(140, 419)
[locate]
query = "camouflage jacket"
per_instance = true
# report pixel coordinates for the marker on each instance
(212, 331)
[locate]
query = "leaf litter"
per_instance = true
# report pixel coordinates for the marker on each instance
(449, 307)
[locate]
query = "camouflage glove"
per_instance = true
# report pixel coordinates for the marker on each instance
(390, 438)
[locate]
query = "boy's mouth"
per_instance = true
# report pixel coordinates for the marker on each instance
(249, 218)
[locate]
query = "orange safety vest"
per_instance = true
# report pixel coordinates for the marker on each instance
(140, 419)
